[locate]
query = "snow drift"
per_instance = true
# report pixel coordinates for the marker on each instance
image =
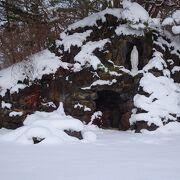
(49, 128)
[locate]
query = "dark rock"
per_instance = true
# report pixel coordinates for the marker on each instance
(37, 140)
(74, 134)
(140, 125)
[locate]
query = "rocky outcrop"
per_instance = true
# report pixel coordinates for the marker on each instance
(157, 100)
(95, 74)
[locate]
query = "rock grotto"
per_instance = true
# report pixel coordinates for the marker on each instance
(103, 69)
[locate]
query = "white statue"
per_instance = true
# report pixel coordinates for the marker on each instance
(134, 60)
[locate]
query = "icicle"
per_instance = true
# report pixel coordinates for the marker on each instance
(134, 60)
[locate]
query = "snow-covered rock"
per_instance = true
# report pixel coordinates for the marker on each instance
(73, 40)
(158, 101)
(176, 29)
(133, 12)
(49, 128)
(176, 16)
(109, 62)
(42, 63)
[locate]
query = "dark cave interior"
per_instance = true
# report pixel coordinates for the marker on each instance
(111, 104)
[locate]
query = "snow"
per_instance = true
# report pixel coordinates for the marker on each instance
(75, 39)
(170, 128)
(17, 87)
(156, 62)
(78, 105)
(134, 12)
(176, 29)
(160, 45)
(89, 136)
(125, 30)
(163, 101)
(14, 113)
(170, 61)
(35, 67)
(168, 21)
(49, 126)
(87, 108)
(175, 69)
(114, 155)
(114, 73)
(101, 82)
(173, 21)
(159, 97)
(91, 20)
(102, 154)
(49, 104)
(6, 105)
(54, 120)
(154, 23)
(86, 57)
(175, 43)
(176, 16)
(134, 60)
(96, 115)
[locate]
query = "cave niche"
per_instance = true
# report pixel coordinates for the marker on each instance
(140, 47)
(115, 110)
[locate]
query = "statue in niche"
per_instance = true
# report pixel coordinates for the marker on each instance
(134, 60)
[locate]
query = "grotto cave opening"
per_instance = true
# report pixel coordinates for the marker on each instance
(114, 110)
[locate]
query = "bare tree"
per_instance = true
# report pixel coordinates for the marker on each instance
(159, 8)
(28, 27)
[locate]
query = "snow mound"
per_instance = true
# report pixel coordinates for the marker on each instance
(168, 21)
(176, 16)
(49, 128)
(176, 29)
(156, 62)
(174, 22)
(134, 12)
(89, 136)
(35, 67)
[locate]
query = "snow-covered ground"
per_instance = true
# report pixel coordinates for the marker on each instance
(115, 155)
(101, 154)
